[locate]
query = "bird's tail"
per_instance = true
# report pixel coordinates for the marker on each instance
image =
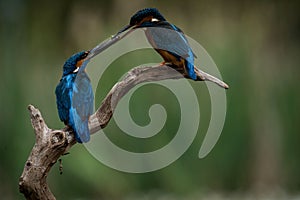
(190, 70)
(82, 133)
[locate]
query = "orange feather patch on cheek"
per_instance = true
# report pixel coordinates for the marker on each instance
(79, 63)
(146, 19)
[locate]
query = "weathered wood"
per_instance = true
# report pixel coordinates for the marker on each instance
(51, 144)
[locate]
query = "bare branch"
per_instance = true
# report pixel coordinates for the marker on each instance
(51, 144)
(135, 76)
(207, 77)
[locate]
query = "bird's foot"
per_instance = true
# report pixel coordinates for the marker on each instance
(162, 63)
(166, 64)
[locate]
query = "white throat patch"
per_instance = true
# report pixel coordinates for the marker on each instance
(154, 20)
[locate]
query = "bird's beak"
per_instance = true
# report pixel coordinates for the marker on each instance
(107, 43)
(125, 28)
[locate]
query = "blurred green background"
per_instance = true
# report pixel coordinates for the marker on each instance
(255, 44)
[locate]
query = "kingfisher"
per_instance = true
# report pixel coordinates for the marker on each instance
(167, 39)
(74, 96)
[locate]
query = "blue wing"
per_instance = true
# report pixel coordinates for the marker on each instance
(82, 106)
(63, 100)
(173, 41)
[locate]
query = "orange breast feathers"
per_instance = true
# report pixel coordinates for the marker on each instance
(169, 58)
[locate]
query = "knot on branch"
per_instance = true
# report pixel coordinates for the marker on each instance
(58, 138)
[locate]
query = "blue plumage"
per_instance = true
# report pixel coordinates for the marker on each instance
(75, 98)
(167, 39)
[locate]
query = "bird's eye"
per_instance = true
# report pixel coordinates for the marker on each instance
(85, 54)
(154, 20)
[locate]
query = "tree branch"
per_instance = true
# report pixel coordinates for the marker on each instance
(51, 144)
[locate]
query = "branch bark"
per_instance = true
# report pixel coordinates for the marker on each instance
(51, 144)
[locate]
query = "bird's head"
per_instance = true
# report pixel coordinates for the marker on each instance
(146, 15)
(74, 62)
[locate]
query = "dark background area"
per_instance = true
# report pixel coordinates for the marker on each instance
(255, 44)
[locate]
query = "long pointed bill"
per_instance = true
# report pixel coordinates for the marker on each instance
(125, 28)
(107, 43)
